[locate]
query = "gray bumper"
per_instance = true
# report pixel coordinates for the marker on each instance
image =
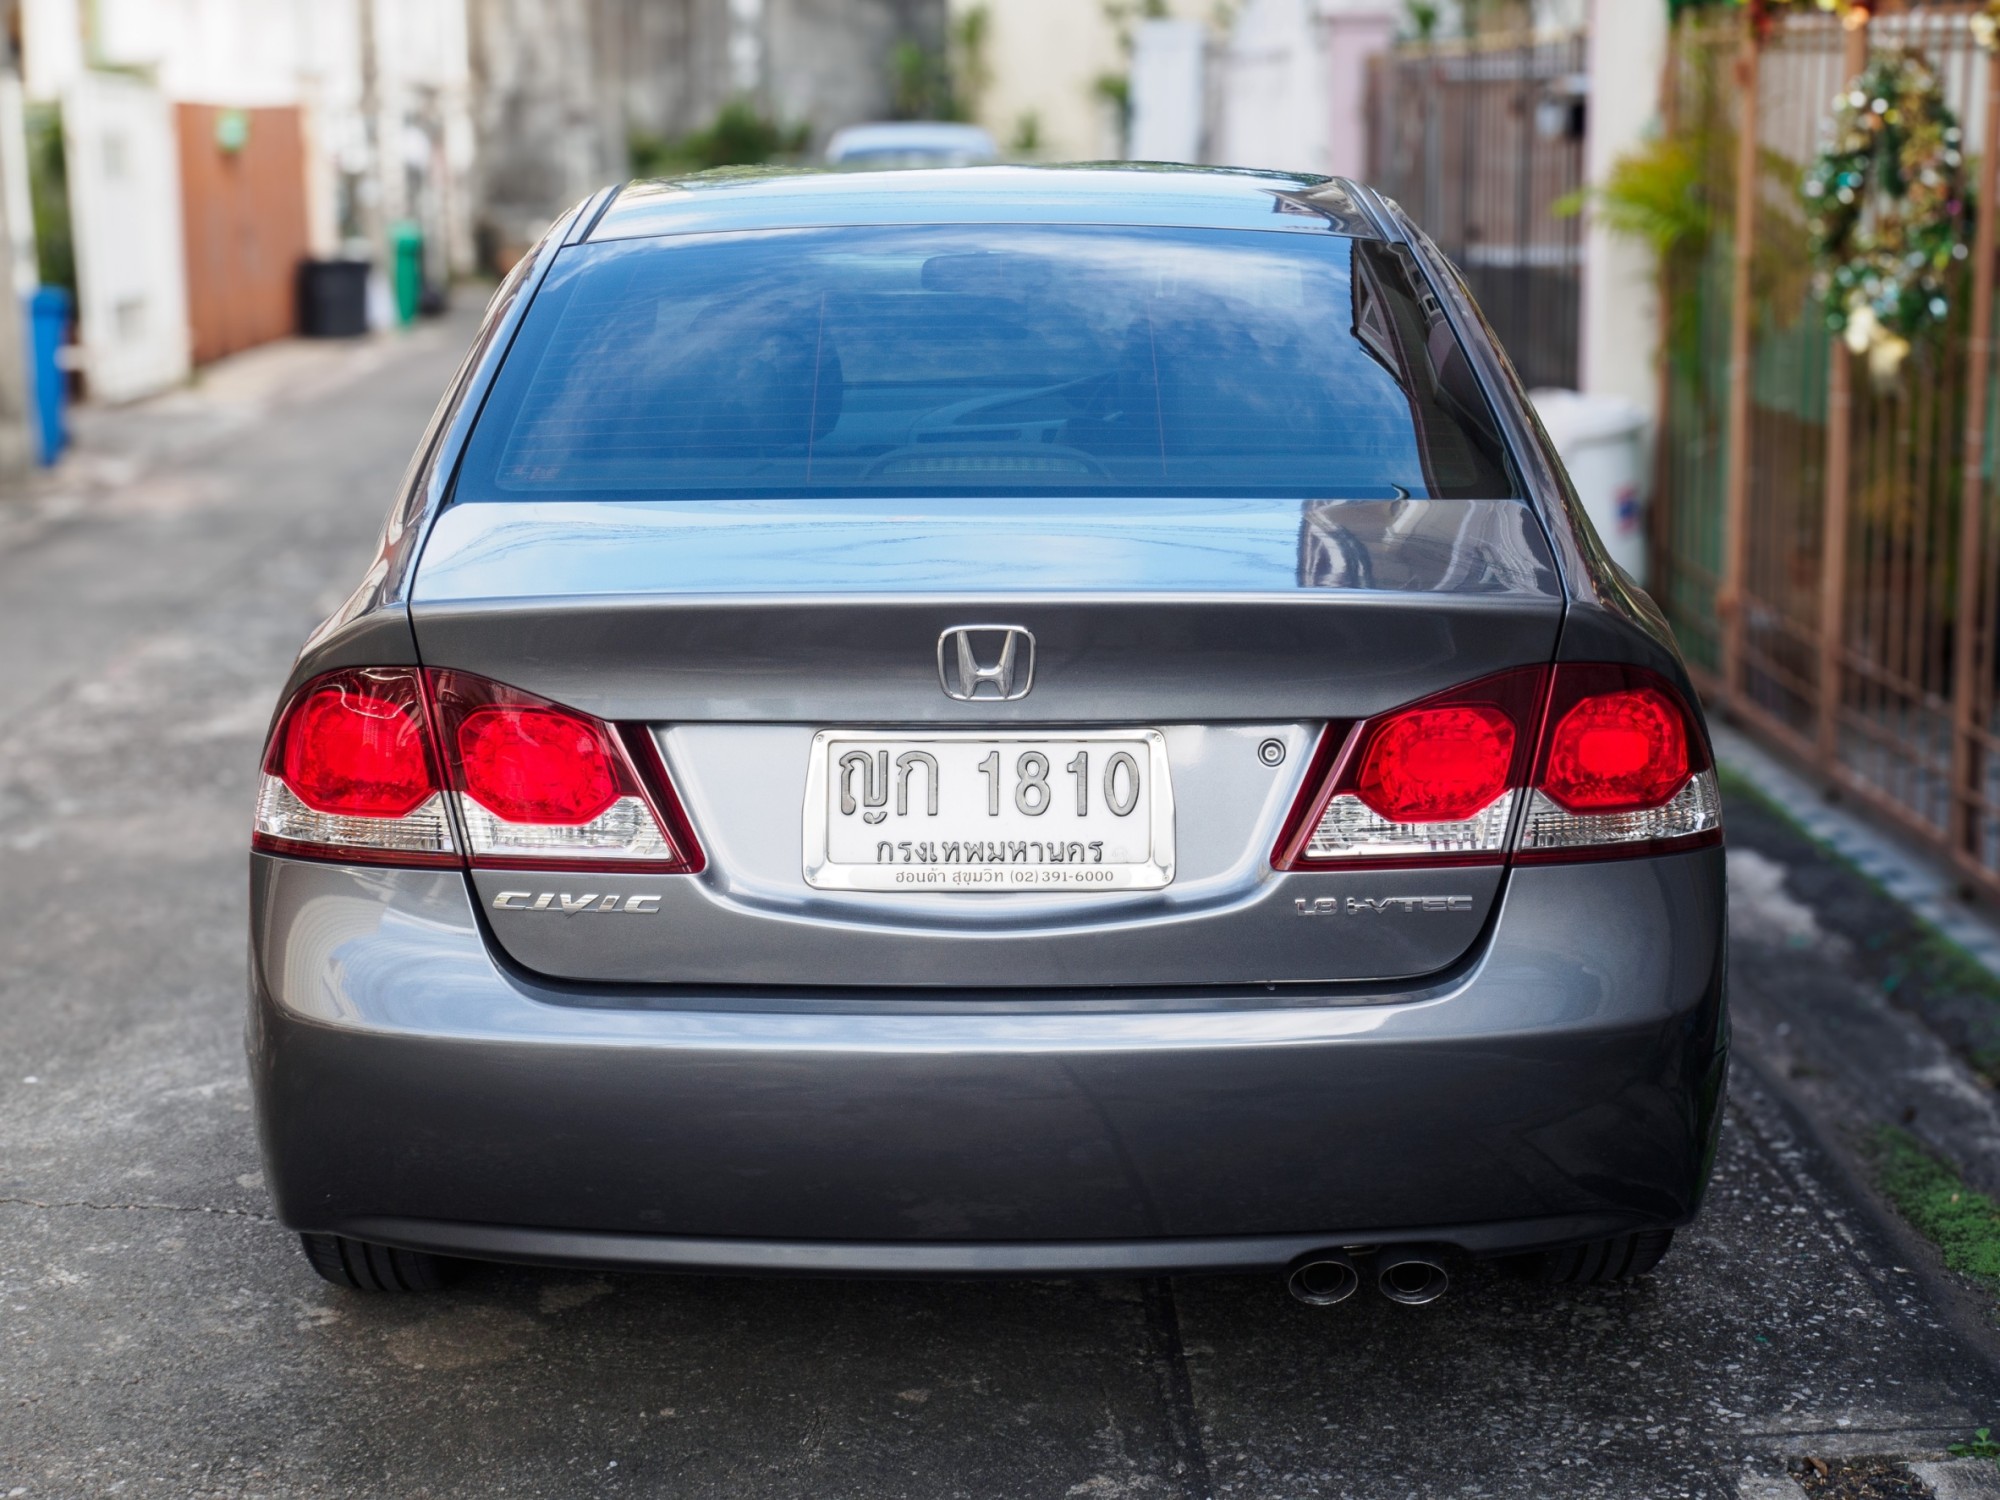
(1563, 1085)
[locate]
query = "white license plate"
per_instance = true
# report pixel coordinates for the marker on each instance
(989, 812)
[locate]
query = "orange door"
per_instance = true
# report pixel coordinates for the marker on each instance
(243, 212)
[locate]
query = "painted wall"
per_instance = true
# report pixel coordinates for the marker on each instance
(1353, 33)
(1046, 56)
(1169, 91)
(1628, 45)
(122, 160)
(1274, 108)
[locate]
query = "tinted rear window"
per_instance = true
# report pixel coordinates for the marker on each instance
(985, 360)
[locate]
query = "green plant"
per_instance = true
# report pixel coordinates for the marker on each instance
(1665, 194)
(1981, 1446)
(740, 135)
(1115, 88)
(1962, 1222)
(920, 84)
(1886, 204)
(1658, 194)
(971, 67)
(48, 195)
(1424, 17)
(1027, 138)
(926, 84)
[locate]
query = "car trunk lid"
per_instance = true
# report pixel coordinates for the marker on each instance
(1232, 631)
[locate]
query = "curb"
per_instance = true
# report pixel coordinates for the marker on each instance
(1915, 879)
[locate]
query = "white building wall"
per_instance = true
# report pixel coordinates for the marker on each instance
(423, 122)
(1046, 56)
(51, 46)
(232, 52)
(1352, 32)
(1169, 91)
(335, 131)
(1621, 320)
(125, 212)
(1274, 106)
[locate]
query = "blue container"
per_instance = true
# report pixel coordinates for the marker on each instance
(49, 311)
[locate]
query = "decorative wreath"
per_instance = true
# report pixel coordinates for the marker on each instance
(1886, 210)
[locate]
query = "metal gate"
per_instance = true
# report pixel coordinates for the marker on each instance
(1481, 144)
(1826, 546)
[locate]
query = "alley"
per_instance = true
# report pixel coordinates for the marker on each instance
(160, 1335)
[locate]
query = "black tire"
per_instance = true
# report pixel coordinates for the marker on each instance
(362, 1267)
(1601, 1261)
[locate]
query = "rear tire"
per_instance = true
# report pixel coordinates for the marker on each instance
(363, 1267)
(1619, 1259)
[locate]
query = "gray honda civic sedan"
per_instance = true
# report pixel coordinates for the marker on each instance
(991, 721)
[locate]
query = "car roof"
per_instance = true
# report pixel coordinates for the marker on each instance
(1134, 194)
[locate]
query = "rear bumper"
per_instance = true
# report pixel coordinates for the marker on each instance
(1133, 1257)
(1563, 1085)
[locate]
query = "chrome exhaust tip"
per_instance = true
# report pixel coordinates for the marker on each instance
(1410, 1276)
(1322, 1278)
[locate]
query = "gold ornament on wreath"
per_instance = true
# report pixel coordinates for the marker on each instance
(1887, 211)
(1986, 26)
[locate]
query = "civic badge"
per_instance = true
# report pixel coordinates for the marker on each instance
(986, 663)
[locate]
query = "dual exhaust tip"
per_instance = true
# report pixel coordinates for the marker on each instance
(1409, 1274)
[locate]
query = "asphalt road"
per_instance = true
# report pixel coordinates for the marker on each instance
(159, 1335)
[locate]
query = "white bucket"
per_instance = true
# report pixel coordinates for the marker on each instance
(1602, 440)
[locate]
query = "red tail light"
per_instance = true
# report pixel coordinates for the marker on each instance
(353, 773)
(349, 773)
(1438, 765)
(1620, 769)
(537, 765)
(352, 749)
(1617, 752)
(538, 784)
(1431, 784)
(1623, 770)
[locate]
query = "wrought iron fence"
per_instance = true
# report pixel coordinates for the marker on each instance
(1828, 547)
(1481, 143)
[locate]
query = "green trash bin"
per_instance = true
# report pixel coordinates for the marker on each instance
(406, 253)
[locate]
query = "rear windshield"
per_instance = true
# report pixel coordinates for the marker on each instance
(985, 360)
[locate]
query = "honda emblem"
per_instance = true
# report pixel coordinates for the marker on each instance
(986, 663)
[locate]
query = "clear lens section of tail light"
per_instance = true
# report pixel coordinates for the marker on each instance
(538, 783)
(349, 773)
(1694, 810)
(1434, 782)
(1350, 829)
(1623, 770)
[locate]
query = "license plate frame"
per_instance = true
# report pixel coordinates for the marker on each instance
(965, 876)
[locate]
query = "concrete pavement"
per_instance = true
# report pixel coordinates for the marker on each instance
(159, 1336)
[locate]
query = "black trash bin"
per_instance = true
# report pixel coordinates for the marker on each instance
(333, 298)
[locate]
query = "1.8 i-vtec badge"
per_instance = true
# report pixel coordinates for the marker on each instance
(1333, 906)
